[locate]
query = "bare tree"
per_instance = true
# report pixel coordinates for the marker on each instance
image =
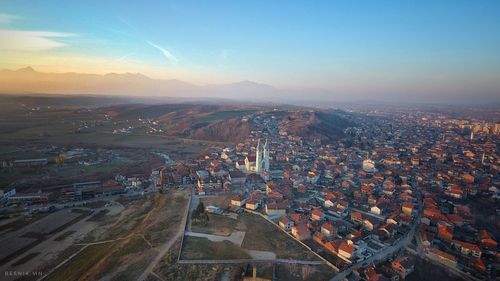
(306, 272)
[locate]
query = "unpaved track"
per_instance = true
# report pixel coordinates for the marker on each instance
(92, 272)
(163, 249)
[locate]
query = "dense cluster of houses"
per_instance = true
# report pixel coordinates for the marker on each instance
(351, 200)
(320, 194)
(348, 200)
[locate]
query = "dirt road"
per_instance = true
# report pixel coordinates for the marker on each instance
(163, 249)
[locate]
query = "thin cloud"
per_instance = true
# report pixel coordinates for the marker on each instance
(6, 18)
(122, 58)
(165, 52)
(28, 40)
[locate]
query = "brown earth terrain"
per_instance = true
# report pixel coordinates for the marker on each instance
(130, 244)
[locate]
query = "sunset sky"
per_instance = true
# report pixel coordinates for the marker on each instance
(351, 46)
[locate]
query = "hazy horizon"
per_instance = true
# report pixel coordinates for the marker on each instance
(29, 81)
(249, 140)
(424, 52)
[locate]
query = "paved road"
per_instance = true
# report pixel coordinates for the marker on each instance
(163, 249)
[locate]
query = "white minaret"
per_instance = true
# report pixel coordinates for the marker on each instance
(258, 158)
(265, 151)
(482, 159)
(472, 135)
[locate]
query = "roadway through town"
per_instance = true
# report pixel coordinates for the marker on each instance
(387, 251)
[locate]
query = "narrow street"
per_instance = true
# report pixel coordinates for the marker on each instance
(389, 250)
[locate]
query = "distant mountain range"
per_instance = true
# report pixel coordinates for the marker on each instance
(28, 80)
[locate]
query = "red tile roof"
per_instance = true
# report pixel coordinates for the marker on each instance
(346, 248)
(328, 226)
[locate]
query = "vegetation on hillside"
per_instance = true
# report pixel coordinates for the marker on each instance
(325, 126)
(230, 130)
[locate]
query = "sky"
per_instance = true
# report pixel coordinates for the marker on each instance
(367, 49)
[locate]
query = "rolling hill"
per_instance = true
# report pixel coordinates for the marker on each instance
(325, 126)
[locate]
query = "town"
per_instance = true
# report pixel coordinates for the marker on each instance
(394, 188)
(168, 140)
